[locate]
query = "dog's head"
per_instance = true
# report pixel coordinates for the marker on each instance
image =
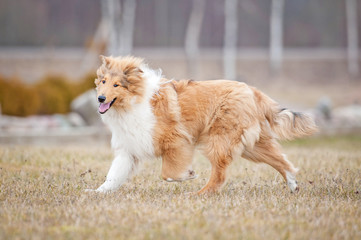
(119, 82)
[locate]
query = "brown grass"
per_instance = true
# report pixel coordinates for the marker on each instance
(42, 196)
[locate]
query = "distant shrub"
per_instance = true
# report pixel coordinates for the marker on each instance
(17, 98)
(53, 94)
(86, 83)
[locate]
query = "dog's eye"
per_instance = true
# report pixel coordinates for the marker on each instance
(115, 85)
(103, 81)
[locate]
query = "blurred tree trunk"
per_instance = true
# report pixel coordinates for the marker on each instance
(126, 30)
(276, 38)
(192, 36)
(113, 11)
(115, 30)
(161, 22)
(230, 39)
(100, 38)
(352, 37)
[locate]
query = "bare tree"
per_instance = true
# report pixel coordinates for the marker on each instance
(161, 21)
(352, 37)
(113, 11)
(115, 30)
(192, 35)
(230, 39)
(127, 27)
(99, 39)
(276, 38)
(120, 21)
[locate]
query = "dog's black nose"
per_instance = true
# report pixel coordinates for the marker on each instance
(101, 99)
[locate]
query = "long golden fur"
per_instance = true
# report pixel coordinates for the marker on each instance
(225, 119)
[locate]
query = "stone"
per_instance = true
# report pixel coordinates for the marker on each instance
(87, 107)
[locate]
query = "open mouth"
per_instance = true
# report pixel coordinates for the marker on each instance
(104, 107)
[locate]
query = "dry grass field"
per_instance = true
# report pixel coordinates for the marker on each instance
(42, 197)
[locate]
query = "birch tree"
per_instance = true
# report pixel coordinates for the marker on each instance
(126, 30)
(230, 39)
(115, 29)
(276, 38)
(192, 35)
(161, 21)
(113, 12)
(352, 37)
(100, 38)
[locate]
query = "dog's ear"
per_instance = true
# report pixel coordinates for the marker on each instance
(132, 70)
(133, 75)
(105, 60)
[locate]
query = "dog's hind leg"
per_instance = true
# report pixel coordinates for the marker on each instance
(177, 163)
(268, 151)
(122, 167)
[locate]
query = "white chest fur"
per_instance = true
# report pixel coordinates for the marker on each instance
(132, 131)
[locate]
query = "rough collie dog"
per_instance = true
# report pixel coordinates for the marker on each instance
(150, 116)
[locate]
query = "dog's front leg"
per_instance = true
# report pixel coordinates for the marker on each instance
(120, 170)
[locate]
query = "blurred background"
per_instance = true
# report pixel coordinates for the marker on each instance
(304, 54)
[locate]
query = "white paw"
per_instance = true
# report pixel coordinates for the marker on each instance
(291, 182)
(293, 187)
(189, 175)
(193, 177)
(97, 191)
(104, 188)
(89, 190)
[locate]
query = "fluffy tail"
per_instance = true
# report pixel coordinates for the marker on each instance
(285, 123)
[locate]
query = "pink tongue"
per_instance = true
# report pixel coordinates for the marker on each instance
(104, 106)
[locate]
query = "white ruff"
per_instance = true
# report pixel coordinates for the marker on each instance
(132, 134)
(132, 131)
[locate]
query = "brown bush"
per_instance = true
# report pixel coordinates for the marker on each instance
(17, 98)
(53, 94)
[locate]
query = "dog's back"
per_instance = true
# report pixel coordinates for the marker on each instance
(229, 119)
(219, 105)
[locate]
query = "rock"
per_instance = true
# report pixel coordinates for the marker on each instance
(61, 121)
(76, 120)
(349, 116)
(324, 106)
(86, 106)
